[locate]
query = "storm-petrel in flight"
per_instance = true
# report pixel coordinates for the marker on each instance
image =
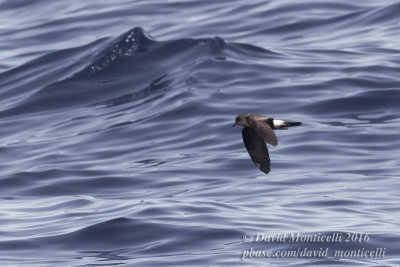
(258, 130)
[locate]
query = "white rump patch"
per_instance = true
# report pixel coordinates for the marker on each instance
(278, 123)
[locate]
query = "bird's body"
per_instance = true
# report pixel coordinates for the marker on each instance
(258, 130)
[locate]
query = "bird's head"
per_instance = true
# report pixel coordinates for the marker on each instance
(241, 120)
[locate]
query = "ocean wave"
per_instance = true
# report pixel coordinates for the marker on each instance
(119, 148)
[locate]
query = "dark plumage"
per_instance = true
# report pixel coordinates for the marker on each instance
(258, 130)
(257, 149)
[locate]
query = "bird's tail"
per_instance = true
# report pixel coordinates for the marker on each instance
(290, 124)
(284, 125)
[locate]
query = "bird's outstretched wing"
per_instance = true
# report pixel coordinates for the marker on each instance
(259, 125)
(257, 149)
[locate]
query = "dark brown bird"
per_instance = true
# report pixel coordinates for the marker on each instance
(258, 130)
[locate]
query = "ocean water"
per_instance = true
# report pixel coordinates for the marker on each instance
(117, 142)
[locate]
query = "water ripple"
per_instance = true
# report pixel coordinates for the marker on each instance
(117, 139)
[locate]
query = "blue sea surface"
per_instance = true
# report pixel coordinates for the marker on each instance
(117, 143)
